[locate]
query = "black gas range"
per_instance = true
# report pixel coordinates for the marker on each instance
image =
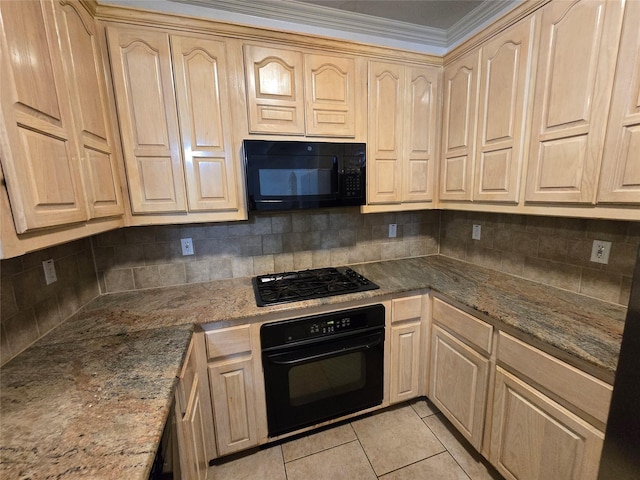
(287, 287)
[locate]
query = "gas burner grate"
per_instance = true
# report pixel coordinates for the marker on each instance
(307, 284)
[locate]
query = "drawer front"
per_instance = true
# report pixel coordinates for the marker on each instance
(407, 308)
(228, 341)
(466, 326)
(585, 392)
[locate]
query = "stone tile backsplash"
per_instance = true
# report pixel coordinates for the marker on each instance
(30, 307)
(551, 250)
(145, 257)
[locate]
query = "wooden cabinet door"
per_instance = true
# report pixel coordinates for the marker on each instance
(92, 109)
(458, 123)
(405, 362)
(330, 97)
(203, 95)
(506, 65)
(275, 91)
(458, 384)
(534, 438)
(194, 423)
(419, 142)
(620, 177)
(577, 57)
(141, 66)
(40, 156)
(232, 396)
(385, 132)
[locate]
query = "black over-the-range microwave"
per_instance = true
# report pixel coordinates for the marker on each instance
(287, 175)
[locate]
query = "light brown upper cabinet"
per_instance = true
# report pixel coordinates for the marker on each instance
(620, 177)
(55, 114)
(91, 108)
(506, 63)
(141, 64)
(289, 92)
(176, 129)
(459, 124)
(486, 98)
(401, 134)
(578, 50)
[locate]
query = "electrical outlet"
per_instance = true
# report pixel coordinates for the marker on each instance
(393, 230)
(600, 251)
(476, 232)
(49, 271)
(187, 246)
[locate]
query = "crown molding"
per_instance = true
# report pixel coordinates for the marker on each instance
(316, 15)
(485, 13)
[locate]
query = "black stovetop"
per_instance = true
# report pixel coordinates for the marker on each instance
(307, 284)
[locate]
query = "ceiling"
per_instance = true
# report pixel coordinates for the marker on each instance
(428, 26)
(430, 13)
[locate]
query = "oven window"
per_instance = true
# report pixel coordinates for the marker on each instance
(295, 182)
(315, 381)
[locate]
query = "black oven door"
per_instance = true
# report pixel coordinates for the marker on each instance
(312, 383)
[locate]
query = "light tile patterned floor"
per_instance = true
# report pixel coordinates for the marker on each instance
(411, 441)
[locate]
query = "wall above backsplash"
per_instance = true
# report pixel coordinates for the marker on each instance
(551, 250)
(144, 257)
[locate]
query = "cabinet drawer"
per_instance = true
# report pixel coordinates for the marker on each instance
(475, 331)
(228, 341)
(585, 392)
(407, 308)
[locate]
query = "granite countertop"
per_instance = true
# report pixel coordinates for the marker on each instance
(91, 398)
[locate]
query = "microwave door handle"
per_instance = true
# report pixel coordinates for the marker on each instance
(331, 352)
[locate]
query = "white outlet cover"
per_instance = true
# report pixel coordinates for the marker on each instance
(187, 246)
(476, 232)
(600, 251)
(393, 230)
(49, 271)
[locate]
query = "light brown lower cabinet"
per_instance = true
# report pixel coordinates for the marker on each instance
(459, 372)
(535, 438)
(458, 384)
(233, 405)
(194, 423)
(406, 348)
(232, 381)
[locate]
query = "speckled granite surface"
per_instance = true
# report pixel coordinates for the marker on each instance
(90, 399)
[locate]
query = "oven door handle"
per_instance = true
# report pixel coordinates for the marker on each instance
(294, 358)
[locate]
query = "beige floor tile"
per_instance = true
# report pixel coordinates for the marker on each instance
(475, 466)
(441, 467)
(395, 438)
(346, 461)
(424, 407)
(264, 464)
(316, 442)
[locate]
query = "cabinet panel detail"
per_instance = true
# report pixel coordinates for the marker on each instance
(330, 99)
(620, 177)
(233, 405)
(384, 146)
(459, 127)
(405, 362)
(502, 113)
(534, 438)
(458, 384)
(142, 72)
(92, 109)
(203, 93)
(274, 90)
(573, 89)
(41, 156)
